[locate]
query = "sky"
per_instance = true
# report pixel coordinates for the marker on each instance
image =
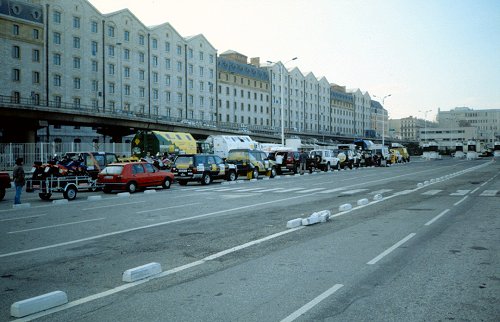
(427, 54)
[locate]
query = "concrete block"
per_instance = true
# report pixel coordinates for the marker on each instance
(123, 194)
(323, 215)
(38, 303)
(60, 202)
(426, 182)
(92, 198)
(345, 207)
(378, 197)
(420, 185)
(294, 223)
(149, 191)
(362, 202)
(311, 220)
(22, 206)
(141, 272)
(433, 180)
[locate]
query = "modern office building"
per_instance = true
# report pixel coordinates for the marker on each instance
(486, 122)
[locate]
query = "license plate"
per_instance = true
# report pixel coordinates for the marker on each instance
(182, 170)
(108, 177)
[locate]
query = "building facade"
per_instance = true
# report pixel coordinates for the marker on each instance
(342, 111)
(486, 122)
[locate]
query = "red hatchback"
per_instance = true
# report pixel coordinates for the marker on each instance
(132, 176)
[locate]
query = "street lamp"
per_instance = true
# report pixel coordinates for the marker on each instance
(282, 99)
(425, 121)
(383, 117)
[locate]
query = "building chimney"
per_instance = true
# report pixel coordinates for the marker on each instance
(255, 61)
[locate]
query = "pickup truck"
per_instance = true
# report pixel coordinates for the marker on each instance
(4, 183)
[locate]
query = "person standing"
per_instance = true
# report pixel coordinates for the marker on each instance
(303, 161)
(18, 175)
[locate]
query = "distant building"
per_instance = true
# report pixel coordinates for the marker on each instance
(447, 137)
(486, 122)
(342, 106)
(411, 126)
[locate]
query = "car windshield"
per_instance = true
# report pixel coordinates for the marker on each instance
(237, 155)
(113, 169)
(184, 160)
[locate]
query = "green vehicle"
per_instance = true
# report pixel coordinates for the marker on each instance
(157, 142)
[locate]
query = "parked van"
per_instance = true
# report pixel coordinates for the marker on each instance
(221, 144)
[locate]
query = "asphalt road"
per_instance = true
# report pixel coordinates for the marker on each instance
(427, 251)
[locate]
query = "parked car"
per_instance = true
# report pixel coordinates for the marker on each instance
(202, 168)
(286, 160)
(252, 163)
(4, 183)
(325, 159)
(132, 176)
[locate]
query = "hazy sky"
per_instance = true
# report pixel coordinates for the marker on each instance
(428, 54)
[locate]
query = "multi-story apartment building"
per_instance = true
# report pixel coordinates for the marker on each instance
(378, 120)
(362, 110)
(487, 122)
(243, 91)
(67, 52)
(342, 110)
(412, 128)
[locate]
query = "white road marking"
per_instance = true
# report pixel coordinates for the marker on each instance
(245, 190)
(309, 190)
(146, 227)
(313, 303)
(19, 218)
(460, 193)
(114, 205)
(489, 193)
(351, 192)
(53, 226)
(165, 208)
(391, 249)
(274, 189)
(460, 201)
(163, 274)
(331, 190)
(431, 192)
(291, 189)
(381, 191)
(436, 218)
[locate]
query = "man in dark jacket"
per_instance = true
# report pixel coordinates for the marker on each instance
(303, 160)
(18, 175)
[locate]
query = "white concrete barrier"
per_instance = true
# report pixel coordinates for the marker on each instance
(345, 207)
(310, 221)
(92, 198)
(22, 206)
(149, 191)
(426, 182)
(141, 272)
(60, 202)
(378, 197)
(294, 223)
(362, 202)
(38, 303)
(420, 185)
(324, 215)
(123, 194)
(433, 180)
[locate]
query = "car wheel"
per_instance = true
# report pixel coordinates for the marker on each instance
(166, 183)
(45, 196)
(327, 167)
(2, 194)
(273, 172)
(132, 187)
(206, 179)
(337, 167)
(295, 169)
(232, 176)
(255, 173)
(182, 182)
(70, 193)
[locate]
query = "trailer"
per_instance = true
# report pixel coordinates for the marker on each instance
(67, 185)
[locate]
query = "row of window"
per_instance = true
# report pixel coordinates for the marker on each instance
(16, 31)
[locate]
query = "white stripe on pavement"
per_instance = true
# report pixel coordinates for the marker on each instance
(391, 249)
(53, 226)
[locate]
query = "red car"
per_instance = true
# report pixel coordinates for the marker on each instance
(132, 176)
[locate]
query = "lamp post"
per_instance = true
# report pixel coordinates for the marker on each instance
(425, 122)
(383, 117)
(282, 99)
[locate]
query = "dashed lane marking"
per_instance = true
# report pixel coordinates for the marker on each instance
(431, 192)
(489, 193)
(460, 193)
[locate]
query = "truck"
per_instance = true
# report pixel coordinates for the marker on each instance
(152, 143)
(459, 150)
(472, 150)
(496, 150)
(221, 144)
(4, 183)
(430, 151)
